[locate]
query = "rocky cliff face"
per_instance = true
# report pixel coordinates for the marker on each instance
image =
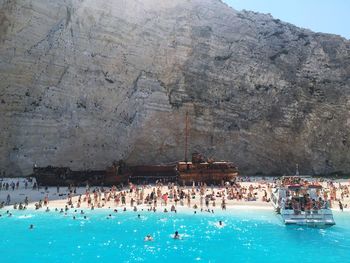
(83, 83)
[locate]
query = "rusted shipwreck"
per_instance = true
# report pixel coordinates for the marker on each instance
(198, 170)
(205, 170)
(64, 176)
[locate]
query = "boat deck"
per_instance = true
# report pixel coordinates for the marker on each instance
(323, 217)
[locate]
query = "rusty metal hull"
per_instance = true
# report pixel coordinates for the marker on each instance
(208, 177)
(64, 176)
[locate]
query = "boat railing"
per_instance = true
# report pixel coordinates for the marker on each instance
(309, 214)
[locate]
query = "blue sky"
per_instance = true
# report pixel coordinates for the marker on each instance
(327, 16)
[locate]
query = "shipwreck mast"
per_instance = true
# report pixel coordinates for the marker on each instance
(186, 136)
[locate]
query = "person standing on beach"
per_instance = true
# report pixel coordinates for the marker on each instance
(223, 204)
(123, 199)
(46, 200)
(341, 206)
(207, 201)
(8, 199)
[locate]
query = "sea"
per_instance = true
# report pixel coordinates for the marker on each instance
(108, 236)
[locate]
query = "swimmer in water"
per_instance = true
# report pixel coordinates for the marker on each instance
(138, 216)
(31, 226)
(220, 224)
(148, 238)
(176, 235)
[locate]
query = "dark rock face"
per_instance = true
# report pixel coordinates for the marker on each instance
(87, 82)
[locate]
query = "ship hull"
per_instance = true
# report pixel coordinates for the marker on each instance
(207, 177)
(63, 176)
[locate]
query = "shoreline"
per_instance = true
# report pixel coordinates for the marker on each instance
(57, 205)
(142, 210)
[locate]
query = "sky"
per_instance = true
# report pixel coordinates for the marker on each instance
(327, 16)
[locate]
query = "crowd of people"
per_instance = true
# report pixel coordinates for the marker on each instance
(303, 195)
(200, 195)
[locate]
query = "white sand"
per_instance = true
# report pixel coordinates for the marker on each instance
(59, 199)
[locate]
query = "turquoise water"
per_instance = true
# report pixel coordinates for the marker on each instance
(248, 236)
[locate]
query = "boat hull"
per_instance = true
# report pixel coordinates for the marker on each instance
(322, 218)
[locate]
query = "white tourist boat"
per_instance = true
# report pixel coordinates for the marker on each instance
(299, 202)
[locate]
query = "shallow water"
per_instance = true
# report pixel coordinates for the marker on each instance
(247, 236)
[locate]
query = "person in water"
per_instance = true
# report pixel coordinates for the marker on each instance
(176, 235)
(148, 238)
(31, 226)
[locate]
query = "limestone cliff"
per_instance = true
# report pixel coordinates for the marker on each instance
(85, 82)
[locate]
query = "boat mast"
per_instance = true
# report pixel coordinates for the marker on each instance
(186, 136)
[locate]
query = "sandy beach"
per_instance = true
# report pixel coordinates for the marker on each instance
(252, 193)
